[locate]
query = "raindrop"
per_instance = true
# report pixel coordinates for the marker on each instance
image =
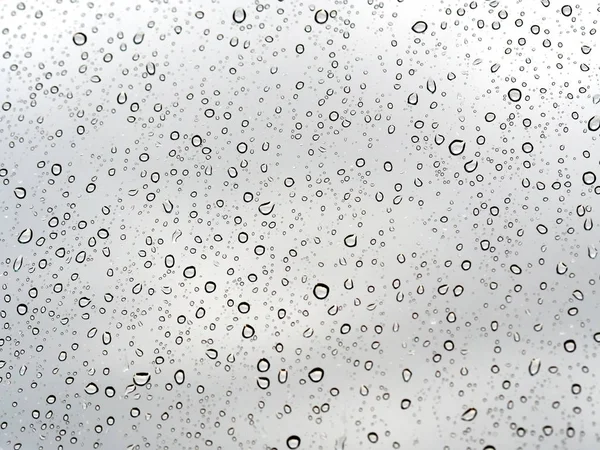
(419, 27)
(248, 331)
(293, 442)
(179, 376)
(189, 272)
(469, 415)
(570, 346)
(456, 147)
(316, 374)
(321, 16)
(91, 389)
(26, 236)
(79, 39)
(239, 15)
(321, 291)
(589, 178)
(141, 378)
(350, 240)
(514, 95)
(20, 193)
(534, 366)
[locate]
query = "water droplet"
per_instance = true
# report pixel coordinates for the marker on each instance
(91, 389)
(266, 208)
(263, 365)
(179, 376)
(239, 15)
(138, 38)
(321, 291)
(419, 27)
(456, 147)
(413, 99)
(469, 415)
(561, 268)
(293, 442)
(189, 272)
(514, 94)
(122, 98)
(20, 193)
(141, 378)
(534, 366)
(248, 331)
(589, 178)
(570, 346)
(26, 236)
(350, 240)
(18, 263)
(321, 16)
(79, 39)
(316, 374)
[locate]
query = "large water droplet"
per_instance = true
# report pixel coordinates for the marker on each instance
(316, 374)
(419, 27)
(26, 236)
(469, 415)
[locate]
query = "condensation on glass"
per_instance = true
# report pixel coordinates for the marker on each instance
(289, 225)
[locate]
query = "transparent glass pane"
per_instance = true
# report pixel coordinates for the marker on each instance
(289, 225)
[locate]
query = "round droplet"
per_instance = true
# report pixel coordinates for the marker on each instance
(293, 442)
(321, 291)
(316, 374)
(239, 15)
(79, 39)
(456, 147)
(321, 16)
(570, 346)
(566, 10)
(189, 272)
(419, 27)
(589, 178)
(196, 141)
(248, 331)
(514, 94)
(263, 365)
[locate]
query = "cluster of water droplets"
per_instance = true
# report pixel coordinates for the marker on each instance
(283, 225)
